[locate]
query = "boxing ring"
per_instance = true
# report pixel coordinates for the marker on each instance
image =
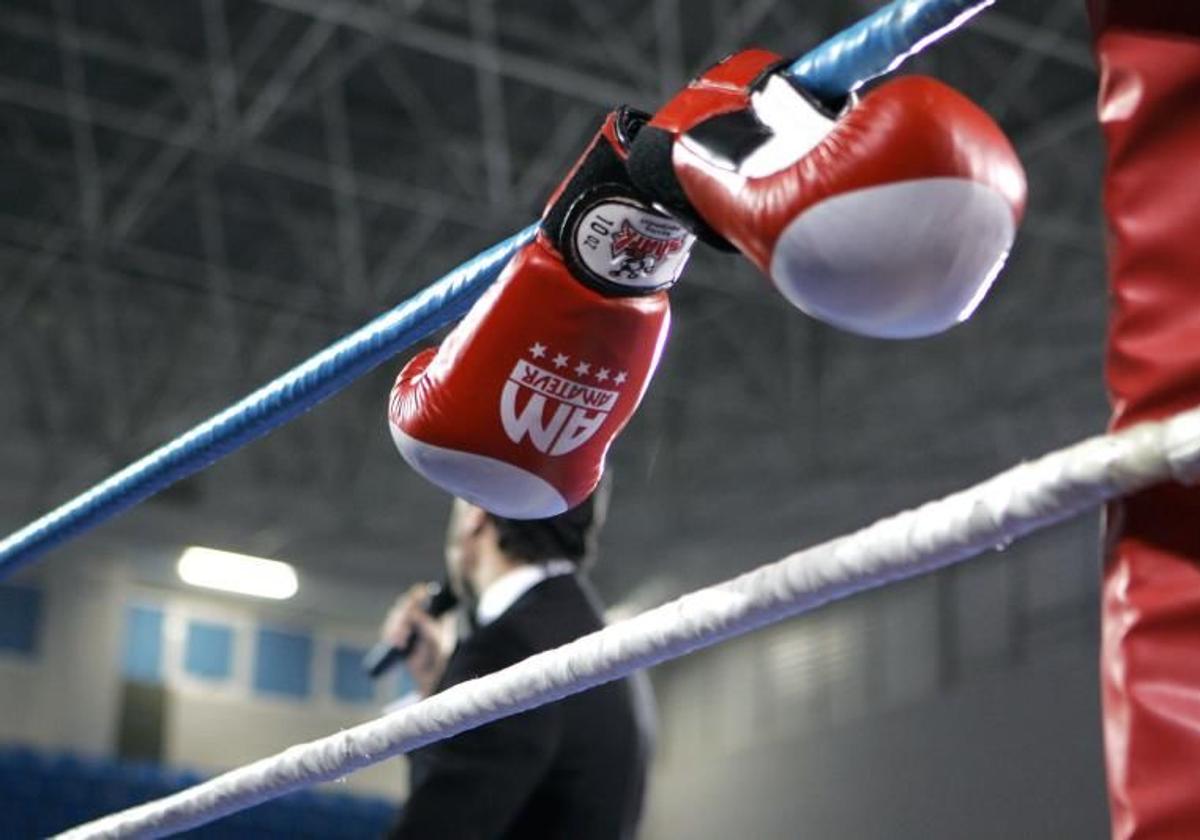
(992, 514)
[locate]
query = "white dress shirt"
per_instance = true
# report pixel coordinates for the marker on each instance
(505, 590)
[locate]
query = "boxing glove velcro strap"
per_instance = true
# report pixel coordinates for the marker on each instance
(651, 170)
(608, 232)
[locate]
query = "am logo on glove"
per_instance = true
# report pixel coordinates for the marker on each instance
(890, 217)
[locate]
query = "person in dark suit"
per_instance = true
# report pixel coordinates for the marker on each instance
(575, 768)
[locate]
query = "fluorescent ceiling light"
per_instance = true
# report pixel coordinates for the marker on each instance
(240, 573)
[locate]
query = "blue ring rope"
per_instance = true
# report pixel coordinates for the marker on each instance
(870, 48)
(879, 43)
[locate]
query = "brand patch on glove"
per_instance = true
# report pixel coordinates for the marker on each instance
(622, 247)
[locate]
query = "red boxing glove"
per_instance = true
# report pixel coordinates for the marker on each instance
(890, 218)
(517, 408)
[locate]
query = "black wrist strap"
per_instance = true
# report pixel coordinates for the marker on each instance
(600, 166)
(652, 171)
(609, 232)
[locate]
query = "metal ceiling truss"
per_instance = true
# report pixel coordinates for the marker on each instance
(212, 192)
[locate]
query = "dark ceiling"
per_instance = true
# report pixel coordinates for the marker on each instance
(196, 195)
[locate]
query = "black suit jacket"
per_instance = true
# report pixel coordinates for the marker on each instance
(573, 769)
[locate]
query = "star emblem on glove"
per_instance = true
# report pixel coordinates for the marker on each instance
(584, 370)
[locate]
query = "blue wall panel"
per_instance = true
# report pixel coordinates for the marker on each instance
(283, 663)
(209, 650)
(404, 682)
(350, 682)
(20, 619)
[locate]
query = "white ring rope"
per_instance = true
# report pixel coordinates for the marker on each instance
(1026, 498)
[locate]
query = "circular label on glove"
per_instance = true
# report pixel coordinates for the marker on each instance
(627, 247)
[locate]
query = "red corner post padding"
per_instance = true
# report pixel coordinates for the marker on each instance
(1149, 58)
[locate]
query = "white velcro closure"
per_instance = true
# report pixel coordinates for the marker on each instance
(797, 126)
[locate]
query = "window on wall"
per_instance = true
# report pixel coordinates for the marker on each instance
(141, 653)
(208, 653)
(350, 682)
(20, 618)
(283, 663)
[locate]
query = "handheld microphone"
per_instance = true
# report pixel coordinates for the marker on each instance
(383, 656)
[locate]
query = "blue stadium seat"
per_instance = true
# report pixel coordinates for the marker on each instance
(42, 794)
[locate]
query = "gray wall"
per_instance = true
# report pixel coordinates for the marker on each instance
(961, 705)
